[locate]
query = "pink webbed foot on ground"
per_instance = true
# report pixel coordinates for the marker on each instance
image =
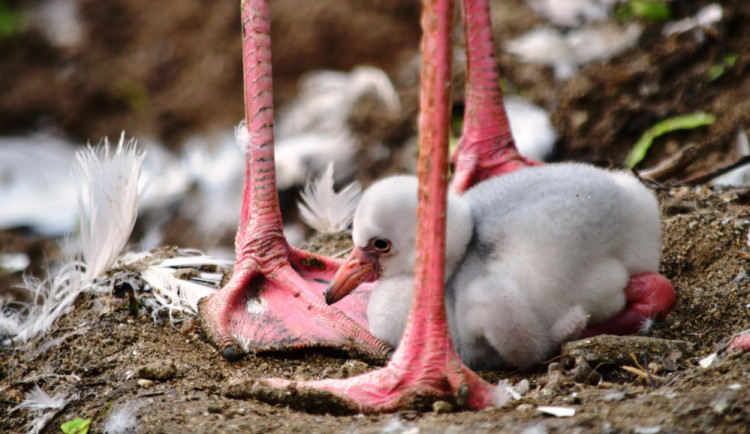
(649, 297)
(283, 309)
(274, 300)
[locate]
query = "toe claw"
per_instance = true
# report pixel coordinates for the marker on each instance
(462, 397)
(231, 353)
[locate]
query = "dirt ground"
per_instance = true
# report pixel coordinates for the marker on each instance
(167, 69)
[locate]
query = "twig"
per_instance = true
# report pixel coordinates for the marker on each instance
(677, 161)
(705, 177)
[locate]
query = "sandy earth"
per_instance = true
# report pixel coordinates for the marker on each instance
(179, 383)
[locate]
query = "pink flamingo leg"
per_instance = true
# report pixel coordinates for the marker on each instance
(425, 366)
(274, 299)
(486, 147)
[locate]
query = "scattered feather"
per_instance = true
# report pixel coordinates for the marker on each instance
(325, 210)
(180, 292)
(35, 187)
(314, 129)
(740, 175)
(242, 135)
(108, 212)
(39, 400)
(533, 132)
(502, 394)
(326, 99)
(60, 21)
(705, 18)
(557, 411)
(573, 13)
(50, 298)
(108, 201)
(565, 52)
(122, 420)
(14, 262)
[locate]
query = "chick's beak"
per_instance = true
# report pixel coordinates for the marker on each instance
(360, 267)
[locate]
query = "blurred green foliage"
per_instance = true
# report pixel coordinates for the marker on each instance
(644, 9)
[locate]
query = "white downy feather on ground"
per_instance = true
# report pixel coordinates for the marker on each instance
(58, 20)
(704, 18)
(573, 13)
(177, 291)
(740, 175)
(313, 130)
(565, 52)
(35, 187)
(39, 400)
(108, 200)
(325, 210)
(108, 206)
(122, 419)
(533, 132)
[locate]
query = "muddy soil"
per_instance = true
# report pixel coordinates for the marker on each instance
(166, 69)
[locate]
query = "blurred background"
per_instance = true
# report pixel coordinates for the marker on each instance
(584, 79)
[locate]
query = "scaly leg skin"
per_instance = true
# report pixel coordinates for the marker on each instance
(425, 367)
(274, 300)
(486, 147)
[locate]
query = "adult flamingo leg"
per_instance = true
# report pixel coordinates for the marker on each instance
(425, 366)
(486, 147)
(274, 298)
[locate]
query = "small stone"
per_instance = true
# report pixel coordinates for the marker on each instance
(142, 382)
(525, 408)
(616, 350)
(187, 326)
(352, 368)
(442, 407)
(555, 377)
(583, 373)
(214, 408)
(159, 371)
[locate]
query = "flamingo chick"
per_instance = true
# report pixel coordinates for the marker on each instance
(532, 258)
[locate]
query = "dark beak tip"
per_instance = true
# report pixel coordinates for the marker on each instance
(329, 297)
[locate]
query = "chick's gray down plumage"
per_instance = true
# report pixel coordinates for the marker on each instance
(532, 257)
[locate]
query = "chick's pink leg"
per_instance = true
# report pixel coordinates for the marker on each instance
(649, 296)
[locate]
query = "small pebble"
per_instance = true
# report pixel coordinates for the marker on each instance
(442, 407)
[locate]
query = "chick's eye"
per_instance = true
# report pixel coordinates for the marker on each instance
(381, 245)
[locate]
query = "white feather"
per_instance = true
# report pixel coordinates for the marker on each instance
(39, 400)
(325, 210)
(109, 202)
(108, 212)
(122, 420)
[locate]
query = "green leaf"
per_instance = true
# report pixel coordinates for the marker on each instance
(716, 71)
(683, 122)
(76, 426)
(645, 9)
(11, 21)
